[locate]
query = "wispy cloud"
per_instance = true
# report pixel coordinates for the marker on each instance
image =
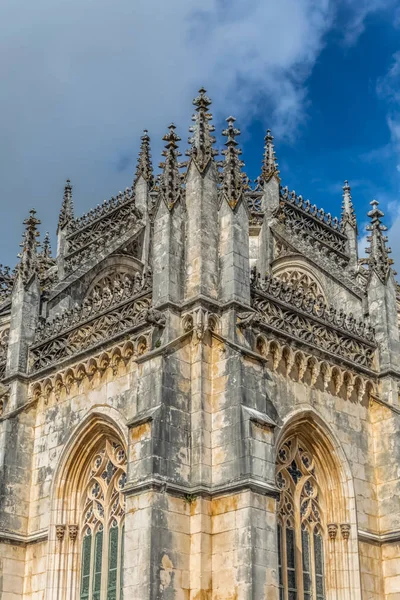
(81, 78)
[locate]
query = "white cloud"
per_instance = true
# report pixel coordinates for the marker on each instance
(82, 78)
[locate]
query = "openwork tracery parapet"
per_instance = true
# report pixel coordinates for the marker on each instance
(94, 328)
(300, 215)
(289, 311)
(99, 227)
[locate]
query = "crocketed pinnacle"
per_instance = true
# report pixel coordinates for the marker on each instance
(269, 165)
(232, 176)
(28, 264)
(144, 166)
(348, 213)
(45, 257)
(202, 141)
(67, 207)
(170, 182)
(378, 259)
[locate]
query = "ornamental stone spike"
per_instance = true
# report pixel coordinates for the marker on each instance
(269, 165)
(67, 207)
(202, 141)
(170, 184)
(348, 212)
(378, 260)
(232, 175)
(28, 264)
(144, 165)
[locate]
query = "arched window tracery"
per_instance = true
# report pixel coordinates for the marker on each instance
(300, 524)
(102, 525)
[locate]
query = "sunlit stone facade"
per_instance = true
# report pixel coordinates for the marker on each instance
(199, 394)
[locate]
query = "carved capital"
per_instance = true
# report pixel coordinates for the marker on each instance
(60, 532)
(73, 532)
(332, 531)
(345, 530)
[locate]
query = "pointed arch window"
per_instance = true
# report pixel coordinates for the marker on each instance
(300, 524)
(102, 525)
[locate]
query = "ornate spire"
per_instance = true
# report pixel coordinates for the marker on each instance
(170, 182)
(269, 165)
(378, 260)
(232, 176)
(28, 264)
(202, 141)
(348, 213)
(45, 257)
(144, 166)
(67, 207)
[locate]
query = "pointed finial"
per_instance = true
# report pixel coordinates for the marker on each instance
(269, 165)
(378, 259)
(232, 175)
(67, 207)
(45, 257)
(170, 181)
(202, 141)
(28, 264)
(144, 166)
(348, 213)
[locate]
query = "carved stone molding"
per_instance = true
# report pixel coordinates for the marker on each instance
(296, 364)
(114, 357)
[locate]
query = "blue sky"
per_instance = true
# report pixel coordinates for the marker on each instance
(82, 78)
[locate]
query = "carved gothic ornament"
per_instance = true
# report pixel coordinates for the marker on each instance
(118, 358)
(100, 227)
(300, 280)
(280, 307)
(87, 334)
(4, 335)
(60, 532)
(199, 321)
(306, 368)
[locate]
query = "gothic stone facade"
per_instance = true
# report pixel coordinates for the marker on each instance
(200, 393)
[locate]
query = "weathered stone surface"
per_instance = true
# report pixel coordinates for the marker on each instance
(232, 409)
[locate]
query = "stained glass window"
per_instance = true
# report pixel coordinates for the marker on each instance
(300, 524)
(103, 512)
